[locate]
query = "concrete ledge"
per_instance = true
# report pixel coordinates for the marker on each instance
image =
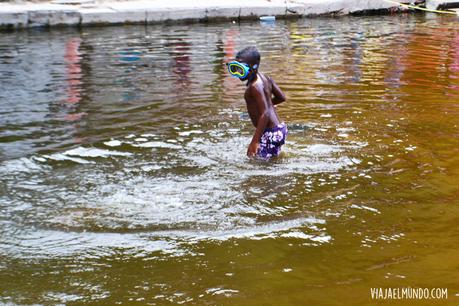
(317, 8)
(176, 14)
(295, 9)
(13, 19)
(52, 18)
(370, 5)
(223, 12)
(277, 11)
(96, 15)
(338, 7)
(144, 11)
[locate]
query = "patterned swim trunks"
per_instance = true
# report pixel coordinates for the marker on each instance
(271, 141)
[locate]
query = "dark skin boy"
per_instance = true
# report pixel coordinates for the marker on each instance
(261, 95)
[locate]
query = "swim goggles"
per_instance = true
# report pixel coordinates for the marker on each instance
(238, 70)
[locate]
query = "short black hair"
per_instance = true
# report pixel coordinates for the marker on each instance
(251, 53)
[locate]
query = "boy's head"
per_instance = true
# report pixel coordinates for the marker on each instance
(251, 57)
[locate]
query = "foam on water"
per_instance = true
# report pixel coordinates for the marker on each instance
(288, 228)
(206, 202)
(76, 155)
(23, 164)
(61, 157)
(221, 291)
(44, 243)
(94, 152)
(365, 208)
(113, 143)
(157, 144)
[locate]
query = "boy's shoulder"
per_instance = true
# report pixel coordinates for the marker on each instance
(260, 82)
(258, 86)
(253, 87)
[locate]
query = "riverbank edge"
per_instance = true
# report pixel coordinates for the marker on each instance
(20, 16)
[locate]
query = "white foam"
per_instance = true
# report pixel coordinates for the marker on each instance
(366, 208)
(60, 157)
(57, 243)
(113, 143)
(94, 152)
(188, 133)
(298, 235)
(160, 201)
(148, 168)
(62, 296)
(157, 144)
(40, 159)
(345, 129)
(184, 205)
(323, 149)
(22, 164)
(257, 232)
(321, 239)
(220, 291)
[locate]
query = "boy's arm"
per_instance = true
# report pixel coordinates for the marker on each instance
(262, 105)
(279, 96)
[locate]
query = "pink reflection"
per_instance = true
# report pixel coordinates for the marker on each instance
(455, 46)
(73, 70)
(74, 117)
(229, 49)
(73, 73)
(181, 65)
(454, 66)
(229, 46)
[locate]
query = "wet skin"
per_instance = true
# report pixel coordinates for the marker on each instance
(261, 95)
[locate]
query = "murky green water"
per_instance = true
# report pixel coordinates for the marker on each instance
(124, 178)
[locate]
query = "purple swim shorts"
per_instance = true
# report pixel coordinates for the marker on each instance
(271, 141)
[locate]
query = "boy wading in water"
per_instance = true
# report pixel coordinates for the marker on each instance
(260, 96)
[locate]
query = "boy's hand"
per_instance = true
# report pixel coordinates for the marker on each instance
(253, 148)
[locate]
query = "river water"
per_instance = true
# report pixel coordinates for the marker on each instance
(123, 176)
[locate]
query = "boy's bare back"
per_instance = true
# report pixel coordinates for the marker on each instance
(265, 87)
(261, 95)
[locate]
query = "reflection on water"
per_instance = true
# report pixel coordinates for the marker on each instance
(124, 177)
